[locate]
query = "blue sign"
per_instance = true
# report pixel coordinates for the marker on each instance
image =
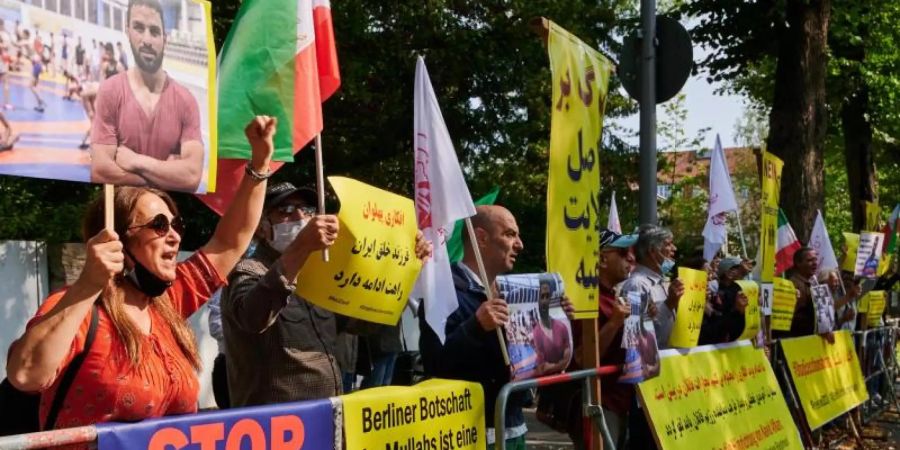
(302, 425)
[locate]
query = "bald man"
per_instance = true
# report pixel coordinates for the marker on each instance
(472, 351)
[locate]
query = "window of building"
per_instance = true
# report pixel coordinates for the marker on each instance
(65, 7)
(664, 191)
(92, 12)
(79, 9)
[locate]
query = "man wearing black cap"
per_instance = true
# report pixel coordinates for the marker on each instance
(725, 312)
(279, 347)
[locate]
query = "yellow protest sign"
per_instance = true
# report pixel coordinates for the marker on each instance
(686, 330)
(373, 263)
(827, 376)
(873, 215)
(751, 312)
(851, 243)
(580, 80)
(885, 264)
(718, 397)
(435, 414)
(771, 191)
(873, 305)
(783, 303)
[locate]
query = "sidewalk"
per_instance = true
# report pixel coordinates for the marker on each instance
(542, 437)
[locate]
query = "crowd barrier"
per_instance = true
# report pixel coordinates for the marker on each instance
(320, 424)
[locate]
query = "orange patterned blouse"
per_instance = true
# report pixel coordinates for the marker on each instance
(107, 388)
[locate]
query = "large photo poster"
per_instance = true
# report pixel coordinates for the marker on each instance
(108, 91)
(539, 335)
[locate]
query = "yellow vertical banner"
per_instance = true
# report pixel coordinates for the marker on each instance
(580, 81)
(783, 303)
(851, 244)
(873, 216)
(373, 262)
(873, 304)
(828, 377)
(688, 319)
(751, 312)
(768, 237)
(435, 414)
(718, 397)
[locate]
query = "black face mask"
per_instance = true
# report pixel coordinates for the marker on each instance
(144, 280)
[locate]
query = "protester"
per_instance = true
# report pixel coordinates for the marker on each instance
(144, 360)
(655, 250)
(381, 346)
(147, 126)
(279, 347)
(725, 321)
(472, 350)
(806, 265)
(219, 372)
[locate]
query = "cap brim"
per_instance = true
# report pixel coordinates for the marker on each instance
(625, 241)
(306, 194)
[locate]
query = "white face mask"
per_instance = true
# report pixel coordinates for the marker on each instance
(285, 233)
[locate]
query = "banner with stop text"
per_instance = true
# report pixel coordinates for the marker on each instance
(435, 414)
(827, 376)
(720, 397)
(305, 425)
(689, 318)
(768, 233)
(373, 264)
(580, 82)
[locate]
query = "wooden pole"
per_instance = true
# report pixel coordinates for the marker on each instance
(487, 286)
(320, 185)
(109, 195)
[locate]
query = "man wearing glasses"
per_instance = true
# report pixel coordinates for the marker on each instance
(279, 347)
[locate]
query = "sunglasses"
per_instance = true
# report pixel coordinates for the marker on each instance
(305, 211)
(161, 224)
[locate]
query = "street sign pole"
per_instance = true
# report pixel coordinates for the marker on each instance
(647, 209)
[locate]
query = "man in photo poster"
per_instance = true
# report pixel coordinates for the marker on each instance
(550, 336)
(146, 129)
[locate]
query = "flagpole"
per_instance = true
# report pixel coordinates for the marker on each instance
(741, 231)
(320, 185)
(484, 281)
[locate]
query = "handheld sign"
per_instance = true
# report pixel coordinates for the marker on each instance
(76, 109)
(868, 254)
(373, 262)
(783, 303)
(752, 311)
(823, 304)
(688, 319)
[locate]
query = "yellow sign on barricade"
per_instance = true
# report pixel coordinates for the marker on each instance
(689, 318)
(851, 243)
(827, 377)
(435, 415)
(768, 235)
(718, 398)
(373, 262)
(873, 305)
(751, 312)
(580, 80)
(783, 303)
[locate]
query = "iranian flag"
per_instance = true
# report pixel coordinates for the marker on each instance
(279, 59)
(787, 244)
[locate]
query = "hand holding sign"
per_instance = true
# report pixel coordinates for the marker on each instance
(492, 314)
(318, 234)
(104, 259)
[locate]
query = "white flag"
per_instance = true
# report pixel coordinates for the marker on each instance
(442, 198)
(612, 224)
(819, 241)
(721, 201)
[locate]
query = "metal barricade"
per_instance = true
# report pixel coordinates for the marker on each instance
(594, 412)
(875, 348)
(53, 438)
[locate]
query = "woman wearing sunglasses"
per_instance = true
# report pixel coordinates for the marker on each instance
(143, 358)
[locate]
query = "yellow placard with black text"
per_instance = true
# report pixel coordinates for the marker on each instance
(718, 398)
(432, 415)
(768, 235)
(751, 312)
(689, 317)
(372, 265)
(580, 80)
(827, 376)
(873, 304)
(784, 301)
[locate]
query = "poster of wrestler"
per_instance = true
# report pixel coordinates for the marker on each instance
(538, 335)
(108, 91)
